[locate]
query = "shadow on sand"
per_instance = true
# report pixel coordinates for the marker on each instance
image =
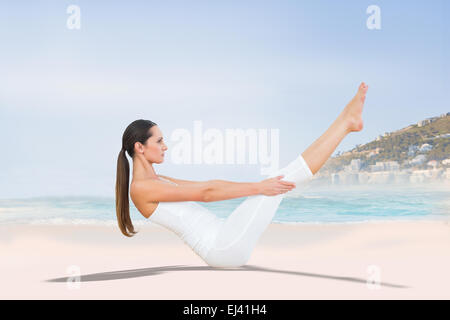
(145, 272)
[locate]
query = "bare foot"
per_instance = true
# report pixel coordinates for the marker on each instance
(352, 113)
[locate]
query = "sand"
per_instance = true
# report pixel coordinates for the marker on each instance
(370, 260)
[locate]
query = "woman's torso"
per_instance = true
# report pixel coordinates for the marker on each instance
(195, 224)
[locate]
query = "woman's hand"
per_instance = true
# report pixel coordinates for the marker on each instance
(275, 186)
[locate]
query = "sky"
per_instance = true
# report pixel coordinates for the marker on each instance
(67, 95)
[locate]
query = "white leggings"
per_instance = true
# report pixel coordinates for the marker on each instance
(240, 232)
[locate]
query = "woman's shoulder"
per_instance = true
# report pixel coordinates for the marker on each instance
(138, 184)
(137, 189)
(142, 185)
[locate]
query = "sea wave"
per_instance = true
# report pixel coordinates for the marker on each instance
(309, 207)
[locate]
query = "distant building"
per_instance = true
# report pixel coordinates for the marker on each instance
(432, 163)
(354, 166)
(379, 138)
(425, 147)
(377, 167)
(445, 135)
(446, 161)
(385, 166)
(421, 123)
(391, 166)
(418, 160)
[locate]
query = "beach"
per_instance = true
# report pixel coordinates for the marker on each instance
(366, 260)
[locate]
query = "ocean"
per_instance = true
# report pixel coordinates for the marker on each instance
(339, 204)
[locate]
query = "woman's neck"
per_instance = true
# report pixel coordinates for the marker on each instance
(142, 169)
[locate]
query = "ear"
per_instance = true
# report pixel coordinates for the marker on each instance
(138, 147)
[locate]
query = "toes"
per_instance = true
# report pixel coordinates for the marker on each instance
(363, 88)
(360, 90)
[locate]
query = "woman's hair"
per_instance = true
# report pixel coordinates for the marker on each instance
(137, 131)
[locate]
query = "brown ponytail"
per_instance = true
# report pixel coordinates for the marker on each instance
(122, 202)
(137, 131)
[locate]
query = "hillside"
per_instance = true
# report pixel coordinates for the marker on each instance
(412, 147)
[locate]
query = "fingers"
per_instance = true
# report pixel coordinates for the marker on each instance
(284, 189)
(285, 186)
(278, 191)
(280, 186)
(288, 183)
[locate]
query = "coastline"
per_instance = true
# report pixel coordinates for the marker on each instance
(410, 259)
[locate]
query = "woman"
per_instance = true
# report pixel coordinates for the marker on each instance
(172, 203)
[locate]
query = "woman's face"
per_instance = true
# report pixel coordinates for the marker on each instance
(154, 147)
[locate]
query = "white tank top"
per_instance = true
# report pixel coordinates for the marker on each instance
(193, 223)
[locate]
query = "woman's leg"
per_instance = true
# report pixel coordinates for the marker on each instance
(242, 229)
(239, 233)
(348, 121)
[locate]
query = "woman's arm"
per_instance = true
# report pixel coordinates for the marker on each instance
(154, 190)
(223, 190)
